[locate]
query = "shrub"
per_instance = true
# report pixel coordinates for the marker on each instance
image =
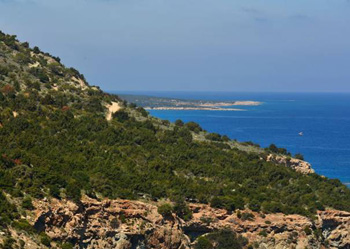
(263, 233)
(40, 74)
(27, 203)
(247, 216)
(23, 225)
(8, 243)
(121, 115)
(114, 223)
(143, 112)
(307, 230)
(182, 210)
(192, 126)
(165, 210)
(36, 50)
(206, 220)
(179, 123)
(203, 243)
(67, 245)
(166, 122)
(122, 218)
(227, 239)
(229, 203)
(299, 156)
(45, 240)
(73, 192)
(214, 137)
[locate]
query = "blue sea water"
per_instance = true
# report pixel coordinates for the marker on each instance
(324, 118)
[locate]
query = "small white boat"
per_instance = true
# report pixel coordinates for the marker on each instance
(301, 133)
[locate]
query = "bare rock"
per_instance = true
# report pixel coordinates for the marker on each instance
(128, 224)
(293, 163)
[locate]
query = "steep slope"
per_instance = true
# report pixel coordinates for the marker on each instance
(61, 138)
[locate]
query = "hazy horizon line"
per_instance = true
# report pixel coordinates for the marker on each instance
(219, 91)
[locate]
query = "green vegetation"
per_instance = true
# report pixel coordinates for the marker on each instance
(307, 230)
(223, 239)
(55, 141)
(299, 156)
(182, 210)
(165, 210)
(274, 149)
(27, 203)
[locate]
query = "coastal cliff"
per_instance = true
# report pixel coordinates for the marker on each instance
(151, 183)
(125, 224)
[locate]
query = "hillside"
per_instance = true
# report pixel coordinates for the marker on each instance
(63, 139)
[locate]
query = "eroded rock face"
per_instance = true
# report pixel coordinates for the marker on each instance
(293, 163)
(127, 224)
(109, 224)
(336, 227)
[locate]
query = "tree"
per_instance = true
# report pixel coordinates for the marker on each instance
(36, 50)
(182, 210)
(273, 148)
(121, 115)
(193, 127)
(179, 123)
(73, 192)
(143, 112)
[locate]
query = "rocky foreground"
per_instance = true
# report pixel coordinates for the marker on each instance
(125, 224)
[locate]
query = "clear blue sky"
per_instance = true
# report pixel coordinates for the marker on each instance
(208, 45)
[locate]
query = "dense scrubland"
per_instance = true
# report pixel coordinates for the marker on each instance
(55, 141)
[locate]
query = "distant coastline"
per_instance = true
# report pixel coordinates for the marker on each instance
(161, 103)
(193, 108)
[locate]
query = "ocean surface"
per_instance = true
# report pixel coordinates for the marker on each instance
(324, 118)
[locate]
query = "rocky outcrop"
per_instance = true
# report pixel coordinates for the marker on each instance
(109, 224)
(335, 227)
(126, 224)
(293, 163)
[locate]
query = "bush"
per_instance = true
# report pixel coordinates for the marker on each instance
(36, 50)
(166, 122)
(182, 210)
(214, 137)
(73, 192)
(274, 149)
(307, 230)
(23, 225)
(247, 216)
(165, 210)
(121, 115)
(206, 220)
(27, 203)
(192, 126)
(67, 246)
(263, 233)
(143, 112)
(227, 239)
(299, 156)
(114, 223)
(229, 203)
(179, 123)
(203, 243)
(45, 240)
(8, 243)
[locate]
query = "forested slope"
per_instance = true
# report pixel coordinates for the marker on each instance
(55, 141)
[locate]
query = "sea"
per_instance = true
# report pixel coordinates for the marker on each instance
(323, 118)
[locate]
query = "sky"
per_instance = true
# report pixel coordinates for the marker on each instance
(192, 45)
